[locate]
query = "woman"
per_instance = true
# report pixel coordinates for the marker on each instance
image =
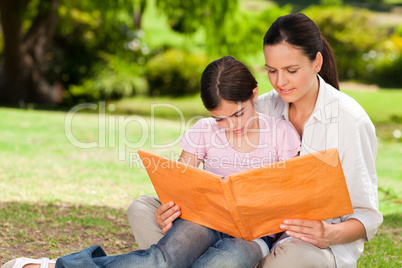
(302, 70)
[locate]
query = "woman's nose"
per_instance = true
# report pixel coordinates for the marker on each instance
(282, 80)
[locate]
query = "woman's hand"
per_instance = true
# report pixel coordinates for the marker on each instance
(166, 214)
(322, 234)
(318, 233)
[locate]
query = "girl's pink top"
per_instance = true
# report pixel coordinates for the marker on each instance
(207, 140)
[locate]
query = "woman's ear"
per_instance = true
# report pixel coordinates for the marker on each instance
(318, 62)
(255, 94)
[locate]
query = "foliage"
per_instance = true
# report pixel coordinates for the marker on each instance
(113, 79)
(331, 2)
(244, 33)
(86, 30)
(298, 5)
(212, 15)
(174, 73)
(351, 34)
(387, 63)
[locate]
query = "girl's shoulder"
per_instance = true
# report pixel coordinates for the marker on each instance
(206, 124)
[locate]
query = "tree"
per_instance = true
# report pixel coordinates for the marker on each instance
(29, 52)
(139, 9)
(25, 61)
(214, 16)
(57, 38)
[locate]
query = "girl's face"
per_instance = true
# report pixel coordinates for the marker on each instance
(291, 73)
(236, 117)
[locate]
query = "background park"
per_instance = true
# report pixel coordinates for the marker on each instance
(84, 84)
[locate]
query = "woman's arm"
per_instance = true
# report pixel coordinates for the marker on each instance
(167, 213)
(357, 150)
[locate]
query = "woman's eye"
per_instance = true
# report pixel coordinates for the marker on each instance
(240, 114)
(292, 71)
(218, 119)
(271, 71)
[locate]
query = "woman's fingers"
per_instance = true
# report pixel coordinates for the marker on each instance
(311, 231)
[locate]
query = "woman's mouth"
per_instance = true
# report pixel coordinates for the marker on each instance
(286, 91)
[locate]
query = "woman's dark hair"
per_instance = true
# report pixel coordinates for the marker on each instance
(228, 79)
(301, 32)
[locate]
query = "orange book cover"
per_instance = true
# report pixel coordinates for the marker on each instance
(253, 203)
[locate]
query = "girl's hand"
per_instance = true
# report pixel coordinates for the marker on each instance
(166, 214)
(314, 232)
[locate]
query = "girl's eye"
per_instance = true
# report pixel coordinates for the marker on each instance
(218, 119)
(240, 114)
(271, 71)
(292, 71)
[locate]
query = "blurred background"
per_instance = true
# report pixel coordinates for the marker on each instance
(124, 56)
(58, 53)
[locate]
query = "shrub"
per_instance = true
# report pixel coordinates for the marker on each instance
(351, 35)
(174, 73)
(113, 79)
(388, 63)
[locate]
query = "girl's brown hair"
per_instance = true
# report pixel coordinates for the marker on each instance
(228, 79)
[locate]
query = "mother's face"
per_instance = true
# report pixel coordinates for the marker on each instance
(291, 73)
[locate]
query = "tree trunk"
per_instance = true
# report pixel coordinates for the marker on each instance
(11, 88)
(25, 57)
(139, 8)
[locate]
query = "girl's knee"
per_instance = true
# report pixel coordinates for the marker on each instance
(142, 205)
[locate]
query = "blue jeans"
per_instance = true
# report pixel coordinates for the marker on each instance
(186, 244)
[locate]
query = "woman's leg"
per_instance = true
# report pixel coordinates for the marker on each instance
(231, 252)
(298, 254)
(141, 217)
(184, 243)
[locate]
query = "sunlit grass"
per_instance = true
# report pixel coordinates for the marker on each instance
(57, 198)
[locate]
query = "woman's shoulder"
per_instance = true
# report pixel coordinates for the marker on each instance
(347, 106)
(347, 112)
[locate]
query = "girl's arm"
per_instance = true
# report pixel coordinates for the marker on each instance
(189, 159)
(167, 213)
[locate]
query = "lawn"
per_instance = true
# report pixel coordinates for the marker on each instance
(67, 178)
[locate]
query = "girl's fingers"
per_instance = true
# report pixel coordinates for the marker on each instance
(166, 214)
(169, 221)
(166, 228)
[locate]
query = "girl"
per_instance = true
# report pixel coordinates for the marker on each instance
(236, 138)
(302, 71)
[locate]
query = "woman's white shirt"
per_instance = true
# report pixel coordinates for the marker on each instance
(339, 121)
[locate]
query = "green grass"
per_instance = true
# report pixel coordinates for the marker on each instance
(57, 198)
(383, 106)
(40, 164)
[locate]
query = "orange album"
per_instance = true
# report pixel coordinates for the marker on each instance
(253, 203)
